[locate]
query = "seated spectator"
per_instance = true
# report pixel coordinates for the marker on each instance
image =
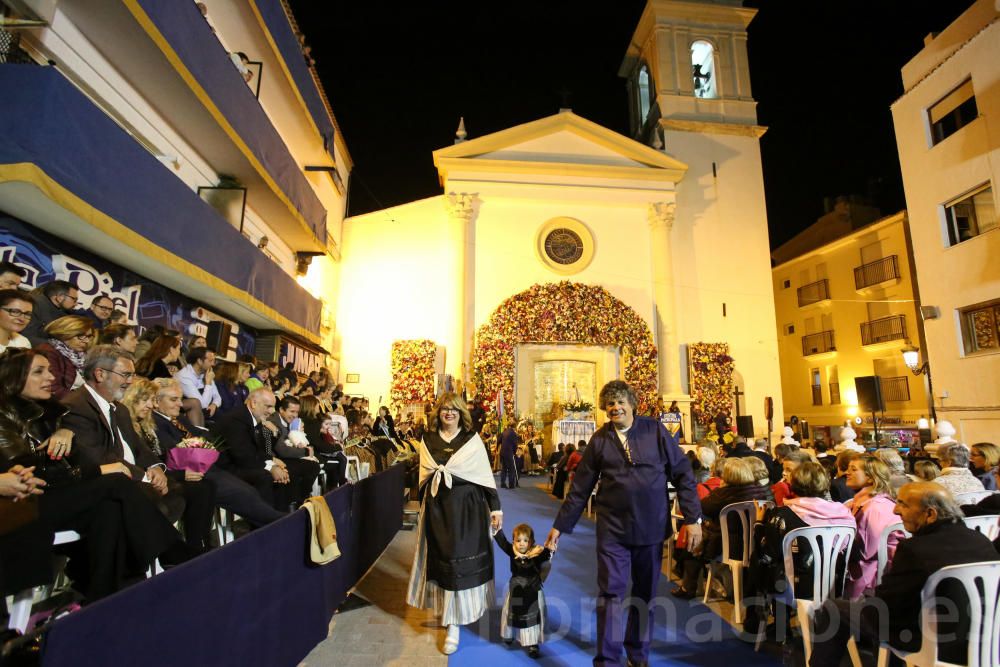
(955, 474)
(197, 378)
(707, 458)
(146, 340)
(738, 485)
(117, 317)
(16, 309)
(229, 379)
(155, 363)
(839, 490)
(231, 492)
(740, 449)
(983, 458)
(195, 341)
(248, 454)
(762, 474)
(52, 301)
(872, 506)
(103, 426)
(122, 531)
(11, 275)
(791, 461)
(384, 426)
(760, 451)
(259, 378)
(897, 469)
(121, 336)
(199, 495)
(66, 349)
(804, 507)
(302, 465)
(926, 470)
(101, 307)
(573, 462)
(781, 450)
(311, 382)
(939, 538)
(554, 457)
(326, 436)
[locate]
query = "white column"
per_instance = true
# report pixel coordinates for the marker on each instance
(461, 211)
(661, 220)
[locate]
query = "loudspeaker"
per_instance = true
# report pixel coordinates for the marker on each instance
(744, 426)
(218, 336)
(869, 388)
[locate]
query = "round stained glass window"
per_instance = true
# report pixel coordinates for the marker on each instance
(563, 246)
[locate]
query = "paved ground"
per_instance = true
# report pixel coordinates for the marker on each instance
(385, 631)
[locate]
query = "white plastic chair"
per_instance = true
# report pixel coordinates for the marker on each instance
(20, 610)
(746, 514)
(883, 548)
(988, 524)
(826, 543)
(972, 497)
(984, 626)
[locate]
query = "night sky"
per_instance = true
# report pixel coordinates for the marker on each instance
(824, 74)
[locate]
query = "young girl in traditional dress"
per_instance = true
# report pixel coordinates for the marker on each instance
(524, 605)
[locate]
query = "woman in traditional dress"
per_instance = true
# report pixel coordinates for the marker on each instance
(452, 570)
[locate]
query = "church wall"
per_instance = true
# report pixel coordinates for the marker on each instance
(721, 251)
(395, 284)
(506, 261)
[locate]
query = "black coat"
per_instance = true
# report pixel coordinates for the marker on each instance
(94, 443)
(525, 583)
(711, 509)
(242, 445)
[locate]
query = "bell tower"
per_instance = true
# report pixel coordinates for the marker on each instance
(687, 65)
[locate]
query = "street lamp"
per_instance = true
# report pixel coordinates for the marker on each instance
(911, 357)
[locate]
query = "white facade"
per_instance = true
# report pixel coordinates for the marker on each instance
(958, 272)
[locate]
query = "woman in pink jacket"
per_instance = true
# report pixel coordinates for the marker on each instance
(872, 507)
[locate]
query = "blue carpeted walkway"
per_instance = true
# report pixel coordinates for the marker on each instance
(685, 633)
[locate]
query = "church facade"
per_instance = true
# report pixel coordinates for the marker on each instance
(561, 254)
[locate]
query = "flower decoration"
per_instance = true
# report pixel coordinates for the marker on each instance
(711, 380)
(195, 442)
(564, 312)
(412, 371)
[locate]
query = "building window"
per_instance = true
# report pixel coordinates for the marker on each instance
(952, 112)
(645, 94)
(833, 381)
(786, 284)
(703, 69)
(981, 328)
(971, 215)
(817, 388)
(789, 329)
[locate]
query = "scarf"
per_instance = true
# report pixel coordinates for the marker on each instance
(75, 358)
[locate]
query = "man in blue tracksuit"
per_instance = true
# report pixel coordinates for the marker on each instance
(635, 459)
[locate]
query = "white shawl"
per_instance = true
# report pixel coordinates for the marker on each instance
(469, 463)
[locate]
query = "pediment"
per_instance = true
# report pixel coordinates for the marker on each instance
(565, 140)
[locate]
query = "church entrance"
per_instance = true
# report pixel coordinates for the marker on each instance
(548, 376)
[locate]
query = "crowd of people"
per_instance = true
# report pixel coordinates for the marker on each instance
(90, 413)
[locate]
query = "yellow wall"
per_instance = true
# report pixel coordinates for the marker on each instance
(844, 312)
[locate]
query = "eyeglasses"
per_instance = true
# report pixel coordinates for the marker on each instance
(72, 297)
(124, 376)
(18, 314)
(85, 336)
(104, 308)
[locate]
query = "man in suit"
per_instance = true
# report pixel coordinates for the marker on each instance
(300, 462)
(939, 538)
(508, 463)
(248, 454)
(231, 492)
(103, 431)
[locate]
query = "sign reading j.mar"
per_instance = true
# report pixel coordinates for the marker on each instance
(47, 258)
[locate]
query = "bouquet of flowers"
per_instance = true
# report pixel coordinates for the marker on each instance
(194, 454)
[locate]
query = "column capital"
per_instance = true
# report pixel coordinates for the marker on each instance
(661, 213)
(460, 206)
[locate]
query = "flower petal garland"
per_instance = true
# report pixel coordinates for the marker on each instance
(564, 312)
(412, 371)
(711, 380)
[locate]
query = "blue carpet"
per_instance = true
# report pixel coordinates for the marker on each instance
(685, 633)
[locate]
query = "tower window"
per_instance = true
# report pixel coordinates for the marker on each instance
(644, 94)
(703, 69)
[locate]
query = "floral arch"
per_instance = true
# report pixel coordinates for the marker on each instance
(563, 312)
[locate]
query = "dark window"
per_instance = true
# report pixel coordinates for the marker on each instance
(953, 112)
(971, 215)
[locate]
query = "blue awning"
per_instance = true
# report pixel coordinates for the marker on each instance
(180, 31)
(117, 200)
(273, 14)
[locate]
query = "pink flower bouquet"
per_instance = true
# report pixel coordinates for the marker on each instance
(193, 454)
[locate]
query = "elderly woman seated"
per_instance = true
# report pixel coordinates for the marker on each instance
(955, 474)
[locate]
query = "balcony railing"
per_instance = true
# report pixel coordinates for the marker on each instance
(834, 393)
(876, 272)
(896, 389)
(814, 292)
(883, 330)
(818, 343)
(817, 394)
